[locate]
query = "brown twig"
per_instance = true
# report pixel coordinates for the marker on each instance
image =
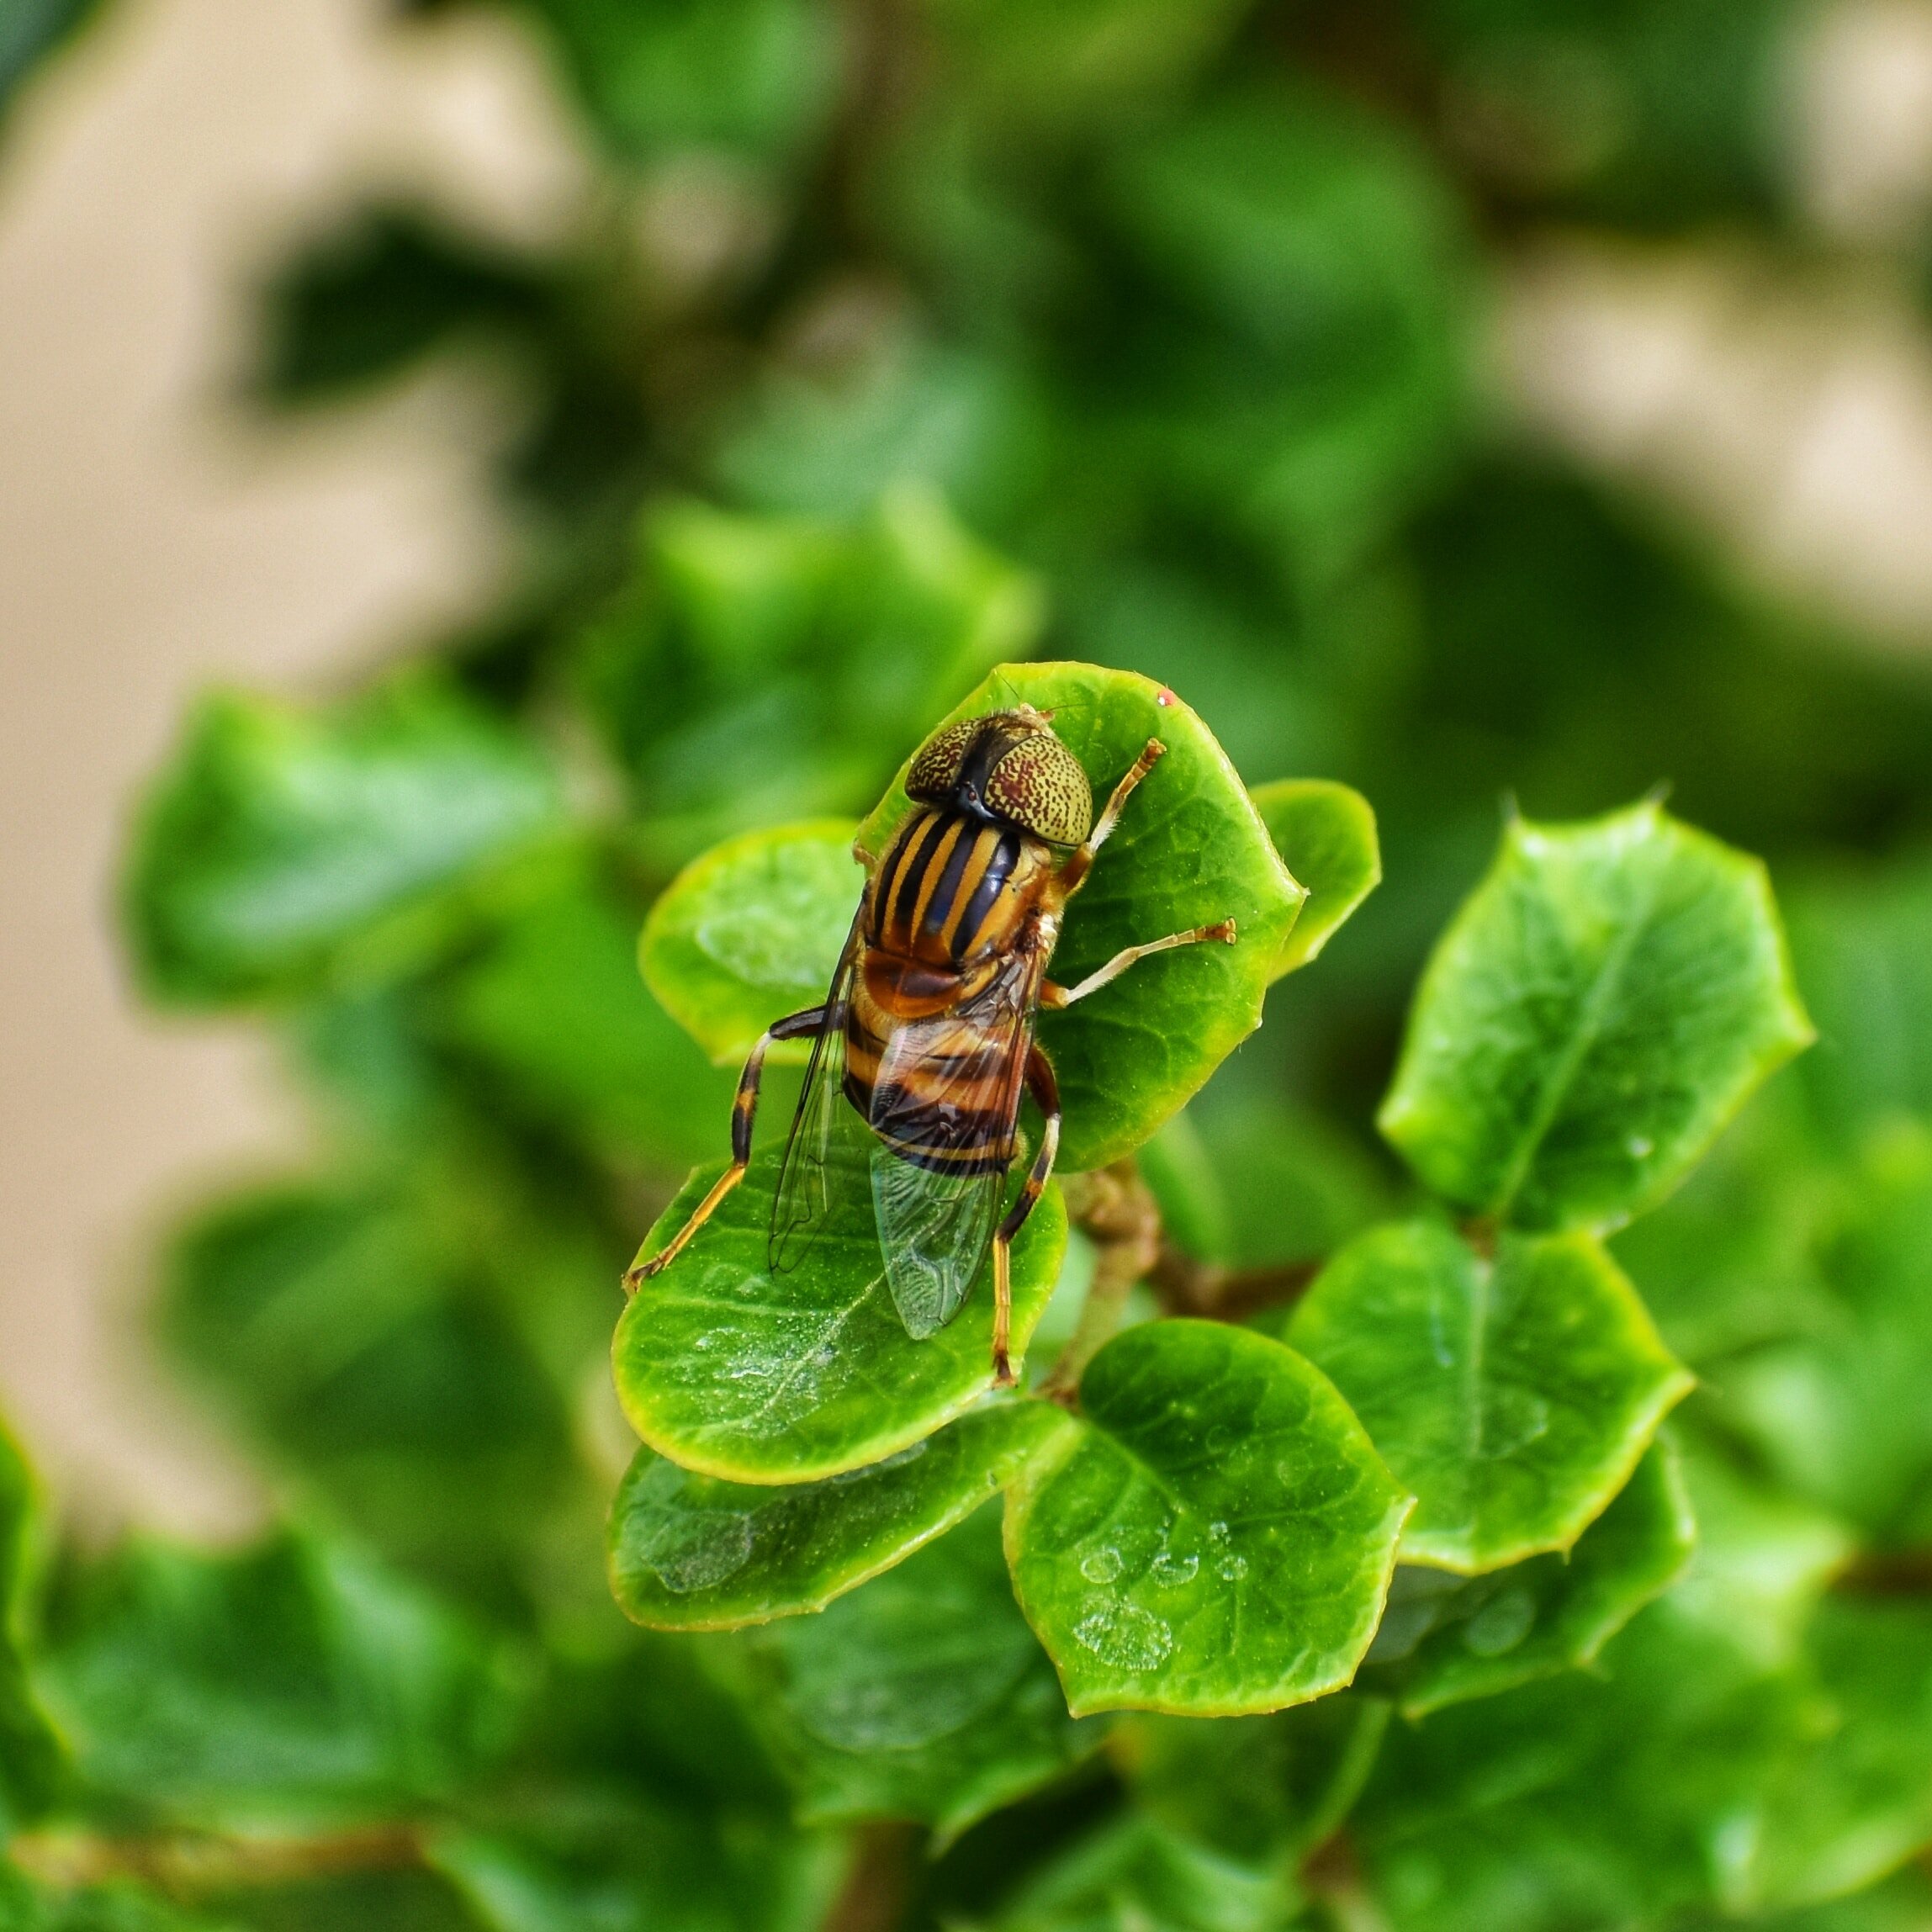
(1186, 1286)
(878, 1882)
(1114, 1208)
(1888, 1573)
(188, 1864)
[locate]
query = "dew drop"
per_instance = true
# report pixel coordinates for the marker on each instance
(1638, 1147)
(1126, 1636)
(1217, 1532)
(1176, 1570)
(1232, 1568)
(1100, 1566)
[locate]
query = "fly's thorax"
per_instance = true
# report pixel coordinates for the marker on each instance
(955, 890)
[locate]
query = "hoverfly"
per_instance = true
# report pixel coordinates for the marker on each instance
(927, 1030)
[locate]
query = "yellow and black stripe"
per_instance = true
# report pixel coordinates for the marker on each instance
(952, 889)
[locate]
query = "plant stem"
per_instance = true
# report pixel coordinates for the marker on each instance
(878, 1882)
(1115, 1211)
(186, 1864)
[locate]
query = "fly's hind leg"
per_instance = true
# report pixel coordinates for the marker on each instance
(1056, 996)
(743, 1112)
(1045, 1091)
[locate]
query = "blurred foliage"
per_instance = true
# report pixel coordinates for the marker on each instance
(898, 342)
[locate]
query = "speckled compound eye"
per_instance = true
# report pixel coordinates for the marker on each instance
(1039, 786)
(935, 767)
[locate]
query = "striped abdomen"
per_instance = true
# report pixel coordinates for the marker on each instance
(941, 1005)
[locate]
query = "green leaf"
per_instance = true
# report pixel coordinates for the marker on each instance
(1840, 1414)
(753, 931)
(1216, 1534)
(1598, 1011)
(1191, 849)
(29, 1752)
(762, 669)
(1134, 1874)
(692, 1552)
(1325, 834)
(1514, 1396)
(368, 1338)
(922, 1696)
(730, 1368)
(293, 1678)
(282, 846)
(1261, 1790)
(1453, 1640)
(603, 1862)
(1855, 1801)
(554, 1004)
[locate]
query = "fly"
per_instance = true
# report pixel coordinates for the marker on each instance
(927, 1031)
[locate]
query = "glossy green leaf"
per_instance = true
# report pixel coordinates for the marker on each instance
(1261, 1790)
(1445, 1639)
(1325, 834)
(1135, 1874)
(753, 931)
(1190, 849)
(1598, 1011)
(282, 844)
(555, 1005)
(1513, 1395)
(291, 1680)
(1215, 1535)
(728, 1368)
(692, 1552)
(1840, 1413)
(922, 1695)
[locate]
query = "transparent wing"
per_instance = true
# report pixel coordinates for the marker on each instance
(803, 1201)
(949, 1088)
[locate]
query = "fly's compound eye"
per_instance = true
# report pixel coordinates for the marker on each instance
(935, 768)
(1039, 786)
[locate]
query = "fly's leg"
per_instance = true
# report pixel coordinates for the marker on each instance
(1046, 1090)
(1061, 996)
(743, 1112)
(1073, 873)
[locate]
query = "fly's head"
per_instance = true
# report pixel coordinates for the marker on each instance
(1008, 768)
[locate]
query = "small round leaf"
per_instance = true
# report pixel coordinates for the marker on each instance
(752, 931)
(692, 1552)
(1215, 1535)
(1325, 834)
(732, 1370)
(1513, 1396)
(1597, 1011)
(1190, 849)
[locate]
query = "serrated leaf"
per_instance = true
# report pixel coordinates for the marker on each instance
(292, 1679)
(1325, 834)
(922, 1695)
(1598, 1011)
(1215, 1535)
(1448, 1640)
(1190, 850)
(690, 1552)
(1840, 1414)
(281, 845)
(1134, 1874)
(728, 1367)
(753, 931)
(1513, 1395)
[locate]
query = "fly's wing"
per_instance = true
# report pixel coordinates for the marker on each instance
(803, 1201)
(945, 1104)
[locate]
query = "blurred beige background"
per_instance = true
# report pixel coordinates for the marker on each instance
(151, 541)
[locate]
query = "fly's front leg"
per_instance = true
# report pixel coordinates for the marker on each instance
(743, 1112)
(1045, 1091)
(1073, 873)
(1063, 996)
